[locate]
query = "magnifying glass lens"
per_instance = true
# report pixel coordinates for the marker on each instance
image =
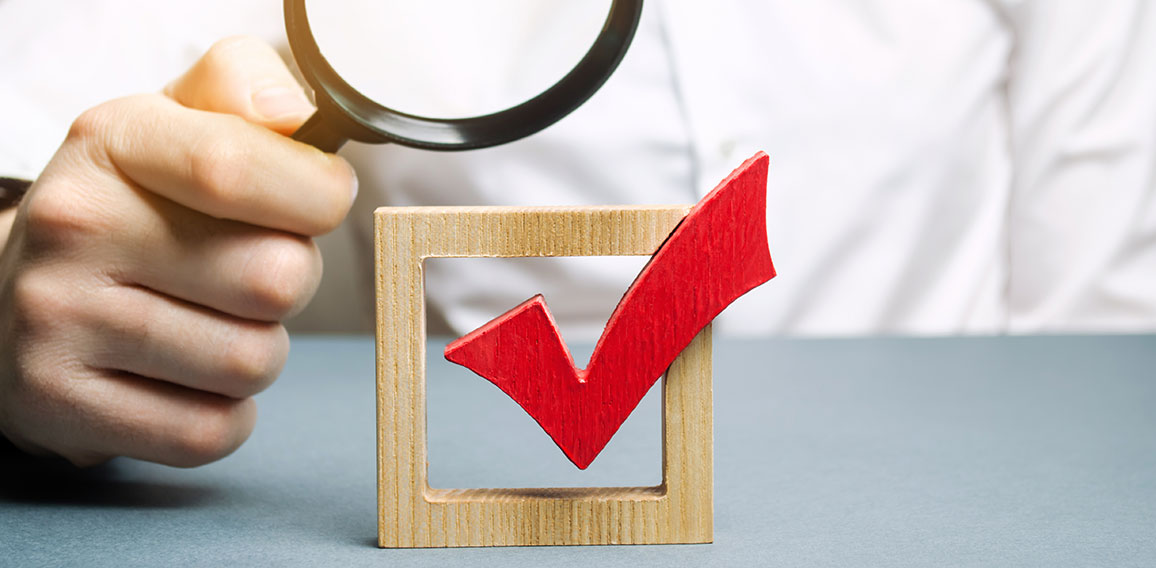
(450, 59)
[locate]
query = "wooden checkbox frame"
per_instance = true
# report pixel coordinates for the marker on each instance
(412, 514)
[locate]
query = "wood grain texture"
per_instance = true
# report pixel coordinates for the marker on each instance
(717, 254)
(411, 514)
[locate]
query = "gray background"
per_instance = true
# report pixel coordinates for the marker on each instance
(866, 452)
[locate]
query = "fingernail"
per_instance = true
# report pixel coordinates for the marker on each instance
(281, 102)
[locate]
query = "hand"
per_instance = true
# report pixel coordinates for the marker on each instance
(148, 269)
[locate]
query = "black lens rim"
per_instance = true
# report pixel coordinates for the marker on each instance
(359, 118)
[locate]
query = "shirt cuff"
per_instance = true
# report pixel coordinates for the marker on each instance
(11, 191)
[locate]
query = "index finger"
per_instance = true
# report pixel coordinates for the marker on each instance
(221, 165)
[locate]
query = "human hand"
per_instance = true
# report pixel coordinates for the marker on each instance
(148, 269)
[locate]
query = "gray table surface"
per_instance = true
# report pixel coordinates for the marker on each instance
(866, 452)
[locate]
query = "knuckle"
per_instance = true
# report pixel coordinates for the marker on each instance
(222, 55)
(219, 429)
(253, 360)
(94, 122)
(38, 303)
(39, 395)
(218, 167)
(281, 275)
(56, 215)
(102, 121)
(26, 395)
(219, 55)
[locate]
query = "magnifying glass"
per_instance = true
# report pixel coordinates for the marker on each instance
(451, 74)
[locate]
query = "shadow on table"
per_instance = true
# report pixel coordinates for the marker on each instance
(53, 481)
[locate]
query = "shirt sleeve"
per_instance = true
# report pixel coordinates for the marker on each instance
(1082, 221)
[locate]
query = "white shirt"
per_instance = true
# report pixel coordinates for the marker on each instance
(963, 166)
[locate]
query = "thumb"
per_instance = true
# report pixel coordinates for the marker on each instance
(244, 76)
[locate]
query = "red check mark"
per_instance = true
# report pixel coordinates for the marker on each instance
(716, 254)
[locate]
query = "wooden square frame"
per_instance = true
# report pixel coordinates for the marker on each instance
(410, 512)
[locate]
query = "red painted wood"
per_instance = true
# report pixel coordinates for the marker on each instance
(718, 253)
